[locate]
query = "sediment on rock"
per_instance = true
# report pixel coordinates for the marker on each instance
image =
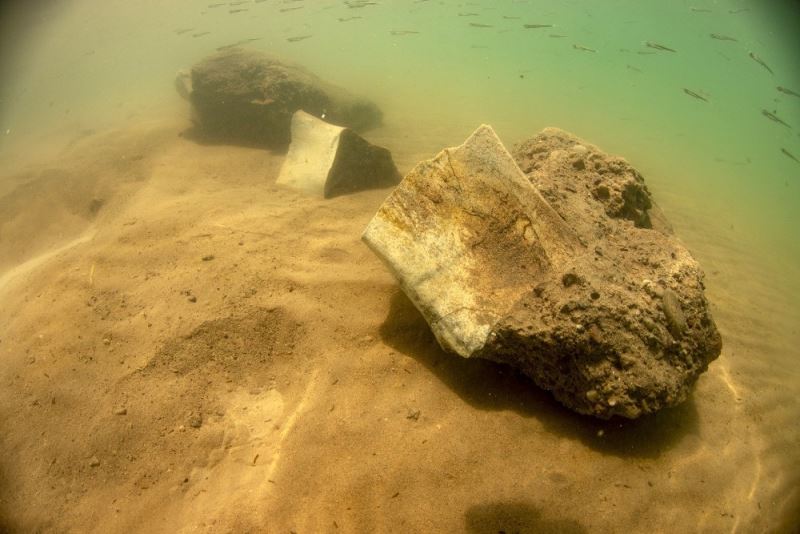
(557, 262)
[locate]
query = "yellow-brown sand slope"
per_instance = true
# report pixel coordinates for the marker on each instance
(208, 352)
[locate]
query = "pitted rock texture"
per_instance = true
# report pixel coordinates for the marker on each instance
(601, 305)
(623, 326)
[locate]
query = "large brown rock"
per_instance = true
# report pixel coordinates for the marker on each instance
(567, 271)
(244, 96)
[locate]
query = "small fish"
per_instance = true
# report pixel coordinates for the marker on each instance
(760, 62)
(651, 44)
(787, 91)
(285, 9)
(746, 161)
(536, 26)
(233, 45)
(694, 95)
(735, 11)
(237, 10)
(402, 32)
(556, 36)
(510, 18)
(298, 38)
(773, 117)
(719, 37)
(634, 69)
(583, 48)
(212, 6)
(200, 34)
(237, 3)
(346, 19)
(262, 101)
(700, 10)
(467, 14)
(183, 30)
(789, 155)
(479, 25)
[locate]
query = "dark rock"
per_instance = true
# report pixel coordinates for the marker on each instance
(329, 160)
(248, 97)
(195, 420)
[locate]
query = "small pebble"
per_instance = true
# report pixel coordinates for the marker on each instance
(94, 462)
(195, 420)
(208, 257)
(192, 298)
(120, 410)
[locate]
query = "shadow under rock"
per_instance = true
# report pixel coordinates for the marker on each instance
(488, 385)
(516, 518)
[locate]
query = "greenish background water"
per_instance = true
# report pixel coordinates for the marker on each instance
(715, 166)
(95, 62)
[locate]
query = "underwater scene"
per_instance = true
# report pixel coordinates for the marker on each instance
(302, 266)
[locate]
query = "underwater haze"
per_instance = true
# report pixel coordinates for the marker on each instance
(701, 96)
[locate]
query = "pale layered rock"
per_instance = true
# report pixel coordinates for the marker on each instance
(327, 160)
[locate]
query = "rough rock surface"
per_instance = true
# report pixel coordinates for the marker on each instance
(329, 160)
(240, 95)
(567, 272)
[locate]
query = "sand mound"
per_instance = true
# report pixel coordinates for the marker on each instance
(40, 207)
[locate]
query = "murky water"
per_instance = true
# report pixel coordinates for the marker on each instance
(687, 91)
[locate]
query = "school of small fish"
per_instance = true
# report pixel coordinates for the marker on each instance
(728, 44)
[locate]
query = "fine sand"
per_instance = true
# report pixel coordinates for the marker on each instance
(187, 347)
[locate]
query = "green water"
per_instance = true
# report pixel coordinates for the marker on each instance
(86, 62)
(716, 166)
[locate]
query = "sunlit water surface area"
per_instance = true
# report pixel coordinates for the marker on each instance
(702, 97)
